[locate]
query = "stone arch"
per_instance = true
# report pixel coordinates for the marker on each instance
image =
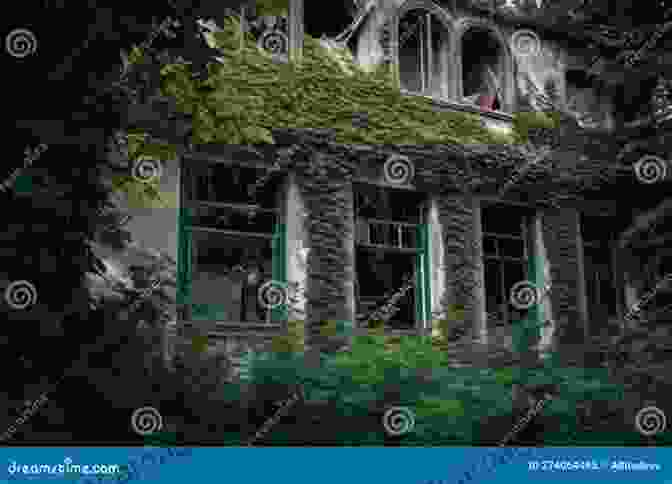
(490, 34)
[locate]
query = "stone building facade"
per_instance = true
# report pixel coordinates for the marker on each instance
(345, 227)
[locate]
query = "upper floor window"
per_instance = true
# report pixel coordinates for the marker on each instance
(423, 53)
(587, 98)
(483, 67)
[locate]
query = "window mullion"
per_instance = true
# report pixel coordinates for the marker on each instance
(421, 43)
(428, 50)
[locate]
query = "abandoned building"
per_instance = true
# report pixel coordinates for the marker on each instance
(335, 239)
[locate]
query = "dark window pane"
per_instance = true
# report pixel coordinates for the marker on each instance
(375, 202)
(232, 219)
(230, 184)
(596, 229)
(490, 246)
(379, 275)
(499, 219)
(408, 237)
(511, 248)
(493, 291)
(411, 30)
(227, 272)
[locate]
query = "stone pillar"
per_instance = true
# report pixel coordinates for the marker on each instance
(562, 240)
(460, 221)
(436, 262)
(547, 333)
(298, 248)
(328, 196)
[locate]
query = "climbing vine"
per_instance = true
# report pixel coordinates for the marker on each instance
(247, 95)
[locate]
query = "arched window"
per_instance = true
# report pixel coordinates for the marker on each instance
(483, 70)
(423, 53)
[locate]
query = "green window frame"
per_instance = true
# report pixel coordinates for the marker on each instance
(423, 299)
(188, 310)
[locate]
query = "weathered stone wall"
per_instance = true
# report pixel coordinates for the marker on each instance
(324, 178)
(561, 238)
(377, 44)
(463, 259)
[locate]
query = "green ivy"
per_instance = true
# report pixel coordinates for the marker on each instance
(524, 122)
(248, 94)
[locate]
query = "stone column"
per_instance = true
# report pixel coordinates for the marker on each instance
(327, 192)
(562, 240)
(460, 222)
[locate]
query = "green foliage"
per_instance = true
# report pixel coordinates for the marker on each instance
(449, 406)
(248, 94)
(525, 121)
(271, 7)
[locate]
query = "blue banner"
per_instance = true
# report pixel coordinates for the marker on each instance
(335, 465)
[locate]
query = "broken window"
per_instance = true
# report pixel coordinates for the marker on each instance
(586, 98)
(482, 70)
(598, 269)
(231, 244)
(423, 53)
(331, 19)
(392, 266)
(506, 253)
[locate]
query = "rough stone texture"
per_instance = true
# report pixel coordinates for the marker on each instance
(463, 281)
(324, 178)
(559, 229)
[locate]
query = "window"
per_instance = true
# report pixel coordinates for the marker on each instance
(331, 19)
(482, 69)
(598, 269)
(230, 244)
(633, 100)
(506, 253)
(423, 53)
(391, 245)
(586, 98)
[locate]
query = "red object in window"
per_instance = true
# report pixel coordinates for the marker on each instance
(486, 101)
